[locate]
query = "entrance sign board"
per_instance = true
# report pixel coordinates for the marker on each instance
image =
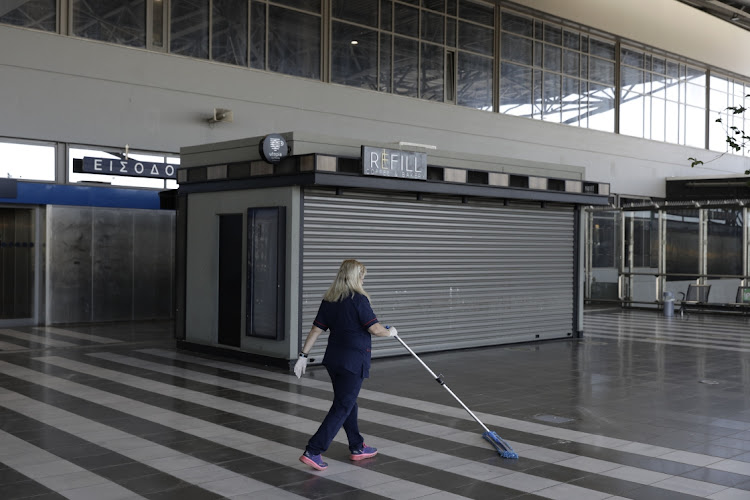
(131, 168)
(394, 163)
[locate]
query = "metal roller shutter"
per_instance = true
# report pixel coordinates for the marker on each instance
(448, 275)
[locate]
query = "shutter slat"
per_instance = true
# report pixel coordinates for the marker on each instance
(447, 275)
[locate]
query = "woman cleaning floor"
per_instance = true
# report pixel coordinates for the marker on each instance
(346, 312)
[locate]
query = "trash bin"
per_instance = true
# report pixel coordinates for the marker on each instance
(668, 304)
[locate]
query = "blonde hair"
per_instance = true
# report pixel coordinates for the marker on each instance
(348, 281)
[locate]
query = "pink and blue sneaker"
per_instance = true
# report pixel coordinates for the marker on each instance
(363, 452)
(314, 461)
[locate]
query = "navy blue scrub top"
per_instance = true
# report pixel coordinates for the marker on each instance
(349, 343)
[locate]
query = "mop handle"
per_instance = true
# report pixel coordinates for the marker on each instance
(440, 381)
(418, 359)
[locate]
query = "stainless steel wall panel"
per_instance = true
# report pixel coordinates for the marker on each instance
(449, 275)
(107, 264)
(69, 264)
(153, 251)
(112, 249)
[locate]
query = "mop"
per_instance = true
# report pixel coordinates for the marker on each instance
(501, 446)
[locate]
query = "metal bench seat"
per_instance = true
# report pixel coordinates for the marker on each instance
(696, 295)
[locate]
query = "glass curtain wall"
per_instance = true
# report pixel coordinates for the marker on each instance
(642, 253)
(556, 74)
(476, 40)
(27, 161)
(724, 228)
(34, 14)
(682, 249)
(30, 161)
(354, 43)
(188, 28)
(286, 37)
(727, 92)
(229, 31)
(439, 50)
(662, 99)
(112, 21)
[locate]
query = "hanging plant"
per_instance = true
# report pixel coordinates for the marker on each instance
(737, 138)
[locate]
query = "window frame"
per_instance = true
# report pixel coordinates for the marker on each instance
(47, 144)
(385, 28)
(323, 42)
(540, 34)
(553, 32)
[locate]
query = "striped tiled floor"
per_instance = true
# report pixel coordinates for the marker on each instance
(704, 331)
(623, 413)
(32, 337)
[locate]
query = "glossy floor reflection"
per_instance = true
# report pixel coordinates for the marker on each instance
(642, 407)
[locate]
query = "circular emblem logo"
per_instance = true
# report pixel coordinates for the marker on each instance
(274, 148)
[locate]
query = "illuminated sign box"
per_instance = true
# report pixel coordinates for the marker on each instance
(394, 163)
(131, 168)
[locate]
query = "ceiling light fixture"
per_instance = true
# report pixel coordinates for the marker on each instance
(355, 42)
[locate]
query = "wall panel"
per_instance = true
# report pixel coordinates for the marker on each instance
(108, 264)
(69, 264)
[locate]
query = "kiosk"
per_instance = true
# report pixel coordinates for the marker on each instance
(461, 250)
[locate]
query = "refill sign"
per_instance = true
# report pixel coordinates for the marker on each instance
(132, 168)
(394, 163)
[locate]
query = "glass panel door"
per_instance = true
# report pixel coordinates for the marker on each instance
(682, 247)
(603, 255)
(16, 263)
(642, 254)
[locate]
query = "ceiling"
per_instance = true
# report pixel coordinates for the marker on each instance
(736, 12)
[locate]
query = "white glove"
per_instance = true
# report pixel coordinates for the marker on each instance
(392, 330)
(300, 366)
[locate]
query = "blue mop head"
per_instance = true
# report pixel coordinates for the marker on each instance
(501, 446)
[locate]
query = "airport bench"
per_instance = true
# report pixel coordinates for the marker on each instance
(696, 298)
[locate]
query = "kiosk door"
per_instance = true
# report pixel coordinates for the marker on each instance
(230, 280)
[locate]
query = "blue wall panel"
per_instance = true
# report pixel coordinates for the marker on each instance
(35, 193)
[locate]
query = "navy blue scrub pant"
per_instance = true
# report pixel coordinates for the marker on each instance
(343, 412)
